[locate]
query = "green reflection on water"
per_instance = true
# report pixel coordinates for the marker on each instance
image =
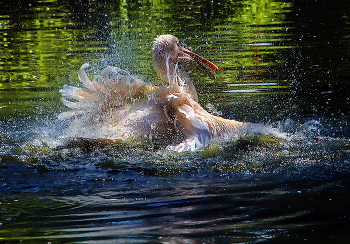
(21, 217)
(44, 43)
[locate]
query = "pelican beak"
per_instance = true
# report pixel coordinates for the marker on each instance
(187, 57)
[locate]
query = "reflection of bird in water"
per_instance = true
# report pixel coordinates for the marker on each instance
(116, 105)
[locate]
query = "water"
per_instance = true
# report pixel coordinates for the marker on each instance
(283, 63)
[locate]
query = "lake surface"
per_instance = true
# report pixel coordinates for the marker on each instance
(283, 63)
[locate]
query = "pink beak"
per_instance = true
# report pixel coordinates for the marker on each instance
(189, 58)
(201, 59)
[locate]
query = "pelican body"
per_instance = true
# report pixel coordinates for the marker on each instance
(117, 105)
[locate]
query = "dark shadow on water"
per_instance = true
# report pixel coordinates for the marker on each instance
(254, 190)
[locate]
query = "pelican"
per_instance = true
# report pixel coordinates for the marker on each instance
(117, 105)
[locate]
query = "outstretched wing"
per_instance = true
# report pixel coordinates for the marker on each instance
(112, 89)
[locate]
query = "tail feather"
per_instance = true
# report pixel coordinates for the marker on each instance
(69, 104)
(76, 93)
(84, 79)
(70, 114)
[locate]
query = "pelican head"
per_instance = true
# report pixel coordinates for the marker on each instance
(167, 49)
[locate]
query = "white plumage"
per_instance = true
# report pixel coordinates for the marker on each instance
(117, 105)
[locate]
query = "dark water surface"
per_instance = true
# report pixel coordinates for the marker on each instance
(285, 63)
